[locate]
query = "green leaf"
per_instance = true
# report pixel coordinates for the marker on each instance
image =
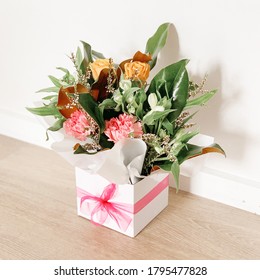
(87, 53)
(91, 106)
(67, 78)
(175, 169)
(185, 137)
(63, 69)
(166, 166)
(172, 82)
(79, 58)
(57, 125)
(55, 81)
(107, 104)
(140, 111)
(180, 92)
(168, 126)
(97, 55)
(191, 151)
(199, 101)
(151, 117)
(157, 42)
(52, 98)
(104, 143)
(44, 111)
(49, 89)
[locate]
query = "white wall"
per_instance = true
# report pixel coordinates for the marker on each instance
(220, 37)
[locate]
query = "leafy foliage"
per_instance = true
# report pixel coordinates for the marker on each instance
(161, 107)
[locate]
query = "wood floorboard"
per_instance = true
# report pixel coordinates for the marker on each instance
(38, 218)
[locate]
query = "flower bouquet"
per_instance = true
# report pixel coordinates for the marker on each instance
(121, 127)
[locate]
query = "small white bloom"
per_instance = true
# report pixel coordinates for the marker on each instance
(130, 99)
(125, 84)
(117, 97)
(152, 100)
(158, 108)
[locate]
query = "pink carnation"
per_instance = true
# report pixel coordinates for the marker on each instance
(77, 126)
(124, 126)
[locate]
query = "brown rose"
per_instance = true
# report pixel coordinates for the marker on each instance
(97, 66)
(137, 70)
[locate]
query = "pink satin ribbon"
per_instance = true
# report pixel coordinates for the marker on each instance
(119, 212)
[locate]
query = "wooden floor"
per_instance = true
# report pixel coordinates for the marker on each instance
(38, 218)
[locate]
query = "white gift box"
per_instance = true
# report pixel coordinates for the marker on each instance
(126, 208)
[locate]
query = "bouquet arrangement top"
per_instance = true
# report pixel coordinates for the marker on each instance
(104, 106)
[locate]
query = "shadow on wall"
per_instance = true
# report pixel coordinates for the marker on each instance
(208, 118)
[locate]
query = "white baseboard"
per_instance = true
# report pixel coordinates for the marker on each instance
(212, 184)
(224, 188)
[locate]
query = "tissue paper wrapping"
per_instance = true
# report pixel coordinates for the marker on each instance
(127, 208)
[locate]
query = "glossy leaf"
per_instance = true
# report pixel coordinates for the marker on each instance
(104, 143)
(191, 151)
(157, 42)
(87, 57)
(91, 107)
(172, 82)
(166, 166)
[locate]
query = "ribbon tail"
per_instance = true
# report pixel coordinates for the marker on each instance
(99, 214)
(122, 219)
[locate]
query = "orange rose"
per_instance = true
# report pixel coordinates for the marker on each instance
(137, 70)
(97, 66)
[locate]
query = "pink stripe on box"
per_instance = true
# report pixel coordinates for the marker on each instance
(139, 205)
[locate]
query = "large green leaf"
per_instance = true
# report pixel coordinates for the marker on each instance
(157, 42)
(87, 52)
(87, 57)
(91, 107)
(199, 101)
(190, 151)
(172, 82)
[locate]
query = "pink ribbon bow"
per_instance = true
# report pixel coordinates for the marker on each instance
(103, 207)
